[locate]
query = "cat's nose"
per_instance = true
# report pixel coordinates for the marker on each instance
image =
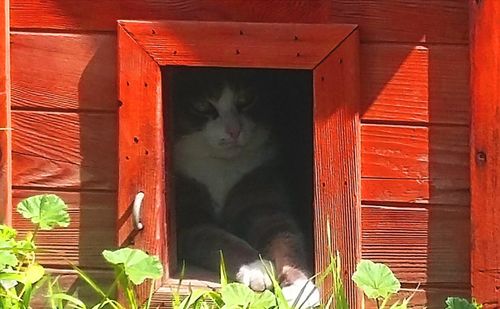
(233, 131)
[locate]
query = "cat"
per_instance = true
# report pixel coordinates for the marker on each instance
(230, 182)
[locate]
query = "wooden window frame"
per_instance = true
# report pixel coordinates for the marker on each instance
(330, 51)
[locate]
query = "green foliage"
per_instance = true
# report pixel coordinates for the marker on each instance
(461, 303)
(20, 275)
(136, 264)
(376, 280)
(46, 211)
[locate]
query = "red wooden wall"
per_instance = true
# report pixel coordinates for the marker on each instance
(415, 115)
(5, 135)
(485, 164)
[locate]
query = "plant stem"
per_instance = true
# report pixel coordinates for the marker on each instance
(378, 303)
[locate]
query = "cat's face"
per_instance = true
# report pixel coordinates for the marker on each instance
(220, 112)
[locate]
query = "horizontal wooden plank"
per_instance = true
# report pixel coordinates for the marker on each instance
(415, 164)
(63, 71)
(64, 150)
(415, 84)
(421, 244)
(400, 83)
(406, 21)
(380, 20)
(92, 229)
(415, 152)
(102, 15)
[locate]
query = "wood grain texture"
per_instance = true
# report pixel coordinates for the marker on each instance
(485, 163)
(380, 20)
(422, 244)
(142, 158)
(415, 164)
(337, 174)
(231, 44)
(415, 84)
(444, 21)
(64, 150)
(63, 71)
(91, 230)
(400, 83)
(5, 119)
(102, 15)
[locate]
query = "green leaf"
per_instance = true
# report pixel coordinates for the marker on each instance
(375, 279)
(34, 273)
(7, 233)
(460, 303)
(138, 265)
(7, 255)
(265, 299)
(237, 294)
(46, 210)
(70, 299)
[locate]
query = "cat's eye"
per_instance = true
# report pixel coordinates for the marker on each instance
(203, 107)
(245, 103)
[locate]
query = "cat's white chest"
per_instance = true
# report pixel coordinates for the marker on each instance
(219, 175)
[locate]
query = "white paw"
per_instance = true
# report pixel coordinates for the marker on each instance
(254, 275)
(302, 294)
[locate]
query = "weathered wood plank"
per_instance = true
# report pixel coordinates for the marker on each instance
(415, 84)
(400, 82)
(336, 125)
(411, 152)
(485, 148)
(380, 20)
(63, 71)
(405, 21)
(242, 44)
(64, 150)
(92, 229)
(422, 244)
(5, 122)
(102, 15)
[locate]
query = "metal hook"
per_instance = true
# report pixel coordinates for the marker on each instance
(136, 211)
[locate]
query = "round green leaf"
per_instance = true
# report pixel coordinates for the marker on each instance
(459, 303)
(138, 265)
(46, 210)
(375, 279)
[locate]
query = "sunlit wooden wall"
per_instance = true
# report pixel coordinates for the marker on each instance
(415, 114)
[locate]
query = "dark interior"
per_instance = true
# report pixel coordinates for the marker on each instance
(292, 94)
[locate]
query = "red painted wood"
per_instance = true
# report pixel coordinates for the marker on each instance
(421, 243)
(91, 229)
(64, 150)
(143, 46)
(64, 71)
(485, 147)
(434, 21)
(380, 20)
(5, 122)
(337, 160)
(230, 44)
(415, 84)
(102, 15)
(142, 159)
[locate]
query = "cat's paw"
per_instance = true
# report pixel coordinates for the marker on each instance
(254, 275)
(302, 293)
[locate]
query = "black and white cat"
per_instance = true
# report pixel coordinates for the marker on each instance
(231, 190)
